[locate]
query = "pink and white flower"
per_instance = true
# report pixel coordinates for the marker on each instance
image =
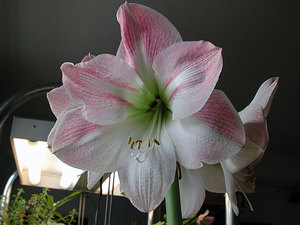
(235, 173)
(142, 110)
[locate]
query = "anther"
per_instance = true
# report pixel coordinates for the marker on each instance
(129, 140)
(131, 144)
(153, 104)
(139, 145)
(157, 96)
(155, 141)
(138, 141)
(148, 143)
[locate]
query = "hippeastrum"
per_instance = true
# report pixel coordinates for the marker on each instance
(235, 173)
(142, 110)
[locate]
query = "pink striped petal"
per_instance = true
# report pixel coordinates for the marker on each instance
(145, 33)
(105, 148)
(192, 193)
(99, 151)
(188, 71)
(87, 58)
(60, 101)
(265, 94)
(147, 183)
(69, 127)
(255, 125)
(210, 135)
(104, 85)
(254, 117)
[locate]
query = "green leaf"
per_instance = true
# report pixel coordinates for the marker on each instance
(66, 199)
(57, 214)
(50, 200)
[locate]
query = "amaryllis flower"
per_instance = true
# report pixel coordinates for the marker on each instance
(142, 110)
(235, 173)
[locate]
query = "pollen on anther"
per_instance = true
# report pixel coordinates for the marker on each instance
(131, 144)
(129, 140)
(155, 141)
(148, 143)
(153, 104)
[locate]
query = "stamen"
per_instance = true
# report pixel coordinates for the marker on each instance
(153, 104)
(131, 145)
(129, 140)
(143, 146)
(155, 141)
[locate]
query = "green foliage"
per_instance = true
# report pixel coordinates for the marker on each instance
(40, 209)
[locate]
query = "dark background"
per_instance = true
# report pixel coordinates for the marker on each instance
(260, 39)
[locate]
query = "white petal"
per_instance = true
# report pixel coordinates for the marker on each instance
(93, 178)
(103, 150)
(230, 189)
(146, 184)
(210, 135)
(60, 101)
(192, 193)
(212, 177)
(243, 158)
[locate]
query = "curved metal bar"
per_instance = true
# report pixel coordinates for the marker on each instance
(7, 191)
(7, 107)
(21, 97)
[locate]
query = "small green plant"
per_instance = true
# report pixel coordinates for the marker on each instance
(40, 209)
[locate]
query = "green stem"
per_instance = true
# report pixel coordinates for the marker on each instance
(173, 206)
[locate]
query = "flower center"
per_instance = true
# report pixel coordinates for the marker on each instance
(141, 144)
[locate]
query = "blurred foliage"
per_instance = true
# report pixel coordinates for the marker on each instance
(40, 209)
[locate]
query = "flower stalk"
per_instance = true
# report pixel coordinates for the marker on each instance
(173, 206)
